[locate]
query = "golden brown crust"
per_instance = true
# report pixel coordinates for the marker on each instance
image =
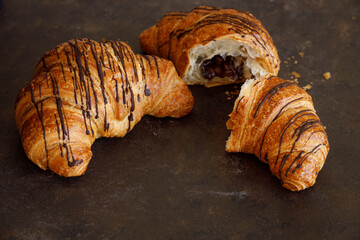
(276, 120)
(82, 90)
(178, 32)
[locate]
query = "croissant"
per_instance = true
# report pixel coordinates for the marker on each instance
(82, 90)
(213, 46)
(276, 120)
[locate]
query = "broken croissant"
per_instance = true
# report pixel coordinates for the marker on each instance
(82, 90)
(276, 120)
(213, 46)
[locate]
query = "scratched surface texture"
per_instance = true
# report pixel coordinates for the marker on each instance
(171, 178)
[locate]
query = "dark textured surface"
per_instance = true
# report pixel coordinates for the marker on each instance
(171, 178)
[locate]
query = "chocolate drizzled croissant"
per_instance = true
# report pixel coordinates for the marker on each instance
(213, 46)
(82, 90)
(276, 120)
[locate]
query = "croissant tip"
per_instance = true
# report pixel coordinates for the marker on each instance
(295, 186)
(71, 172)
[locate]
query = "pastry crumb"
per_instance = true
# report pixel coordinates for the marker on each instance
(296, 80)
(237, 92)
(327, 75)
(292, 57)
(295, 74)
(103, 39)
(301, 54)
(295, 62)
(228, 98)
(307, 87)
(227, 93)
(286, 62)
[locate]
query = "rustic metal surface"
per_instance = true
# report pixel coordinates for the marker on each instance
(171, 178)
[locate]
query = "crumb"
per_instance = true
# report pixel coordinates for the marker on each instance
(301, 54)
(295, 62)
(292, 57)
(296, 80)
(286, 62)
(307, 87)
(327, 75)
(103, 39)
(227, 93)
(295, 74)
(235, 86)
(229, 98)
(235, 92)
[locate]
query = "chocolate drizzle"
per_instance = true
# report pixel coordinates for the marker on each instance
(70, 157)
(175, 15)
(314, 150)
(276, 117)
(64, 125)
(147, 91)
(300, 123)
(116, 90)
(157, 67)
(271, 93)
(130, 118)
(59, 137)
(237, 23)
(63, 73)
(237, 104)
(107, 59)
(40, 115)
(84, 86)
(99, 70)
(288, 125)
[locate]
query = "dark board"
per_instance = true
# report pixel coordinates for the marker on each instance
(171, 178)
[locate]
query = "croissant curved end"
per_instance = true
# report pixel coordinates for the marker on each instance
(294, 186)
(276, 120)
(74, 167)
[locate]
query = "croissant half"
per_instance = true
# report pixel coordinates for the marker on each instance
(276, 120)
(213, 46)
(82, 90)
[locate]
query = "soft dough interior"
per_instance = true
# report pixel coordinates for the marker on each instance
(246, 88)
(252, 66)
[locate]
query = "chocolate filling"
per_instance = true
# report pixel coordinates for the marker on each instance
(222, 67)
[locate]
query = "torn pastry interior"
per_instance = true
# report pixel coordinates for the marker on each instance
(213, 46)
(223, 61)
(227, 66)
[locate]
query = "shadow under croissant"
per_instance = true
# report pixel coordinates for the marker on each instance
(248, 166)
